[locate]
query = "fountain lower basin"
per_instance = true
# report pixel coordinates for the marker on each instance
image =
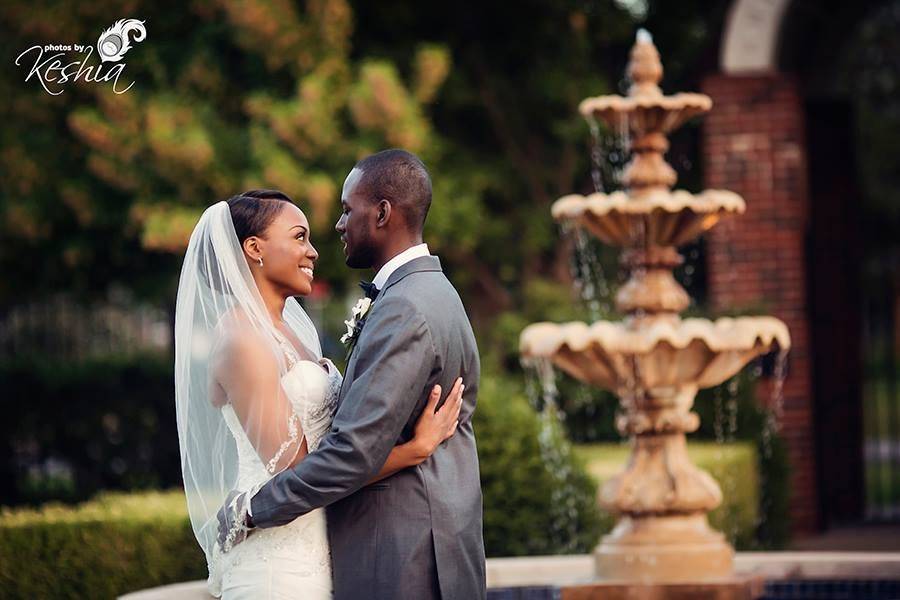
(656, 365)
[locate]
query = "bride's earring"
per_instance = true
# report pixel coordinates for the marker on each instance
(260, 261)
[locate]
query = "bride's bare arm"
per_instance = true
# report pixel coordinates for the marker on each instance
(248, 373)
(432, 428)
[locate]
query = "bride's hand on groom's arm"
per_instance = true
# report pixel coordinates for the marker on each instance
(433, 427)
(437, 424)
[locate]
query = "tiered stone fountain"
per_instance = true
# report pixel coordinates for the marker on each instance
(654, 360)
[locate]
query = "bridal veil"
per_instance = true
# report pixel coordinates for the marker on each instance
(228, 351)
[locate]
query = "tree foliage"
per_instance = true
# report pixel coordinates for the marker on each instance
(101, 188)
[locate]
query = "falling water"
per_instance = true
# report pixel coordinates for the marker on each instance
(609, 155)
(771, 425)
(733, 387)
(775, 410)
(726, 403)
(531, 381)
(589, 276)
(622, 152)
(547, 378)
(596, 156)
(718, 421)
(756, 371)
(724, 428)
(555, 452)
(730, 481)
(719, 431)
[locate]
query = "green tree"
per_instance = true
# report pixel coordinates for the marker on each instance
(103, 188)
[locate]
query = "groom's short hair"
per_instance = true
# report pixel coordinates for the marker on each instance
(401, 178)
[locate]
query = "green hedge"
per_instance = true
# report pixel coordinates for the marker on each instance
(113, 544)
(734, 466)
(536, 500)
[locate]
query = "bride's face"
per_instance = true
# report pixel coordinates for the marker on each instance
(288, 255)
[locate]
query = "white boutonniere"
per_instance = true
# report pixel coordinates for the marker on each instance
(355, 323)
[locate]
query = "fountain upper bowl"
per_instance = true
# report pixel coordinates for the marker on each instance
(645, 113)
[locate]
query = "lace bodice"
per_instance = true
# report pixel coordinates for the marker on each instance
(301, 546)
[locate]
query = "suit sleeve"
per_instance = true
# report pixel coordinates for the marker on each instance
(394, 361)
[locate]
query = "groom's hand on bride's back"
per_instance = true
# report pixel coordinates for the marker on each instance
(235, 523)
(435, 425)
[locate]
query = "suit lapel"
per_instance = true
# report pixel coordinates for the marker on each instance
(416, 265)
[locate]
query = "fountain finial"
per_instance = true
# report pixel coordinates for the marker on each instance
(644, 68)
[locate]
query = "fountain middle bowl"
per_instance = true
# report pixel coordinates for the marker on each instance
(659, 217)
(616, 356)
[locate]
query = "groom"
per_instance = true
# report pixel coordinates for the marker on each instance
(416, 535)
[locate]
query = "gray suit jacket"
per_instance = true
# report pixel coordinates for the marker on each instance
(417, 534)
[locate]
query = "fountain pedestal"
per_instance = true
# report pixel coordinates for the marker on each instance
(673, 547)
(663, 496)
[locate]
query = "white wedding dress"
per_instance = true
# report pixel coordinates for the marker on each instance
(292, 561)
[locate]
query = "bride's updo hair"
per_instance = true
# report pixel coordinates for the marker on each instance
(252, 212)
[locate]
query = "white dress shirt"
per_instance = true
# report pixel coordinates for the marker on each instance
(398, 261)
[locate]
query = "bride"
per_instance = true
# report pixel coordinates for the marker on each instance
(254, 394)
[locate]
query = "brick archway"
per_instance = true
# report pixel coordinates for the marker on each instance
(754, 143)
(780, 137)
(750, 39)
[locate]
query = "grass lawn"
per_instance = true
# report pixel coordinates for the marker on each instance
(881, 414)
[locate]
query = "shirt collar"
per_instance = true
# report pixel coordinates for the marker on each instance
(398, 261)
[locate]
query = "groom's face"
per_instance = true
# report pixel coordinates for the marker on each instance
(356, 223)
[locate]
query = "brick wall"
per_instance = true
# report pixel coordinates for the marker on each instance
(754, 144)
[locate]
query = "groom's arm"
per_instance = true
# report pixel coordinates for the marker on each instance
(394, 361)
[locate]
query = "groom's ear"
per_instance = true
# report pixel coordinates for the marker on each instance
(382, 213)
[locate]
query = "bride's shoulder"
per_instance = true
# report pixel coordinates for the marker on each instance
(234, 320)
(238, 339)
